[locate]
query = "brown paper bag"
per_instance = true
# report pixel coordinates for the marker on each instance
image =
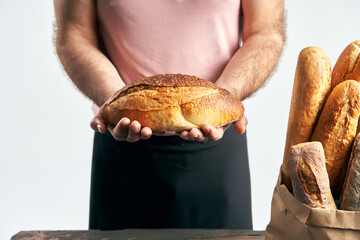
(293, 220)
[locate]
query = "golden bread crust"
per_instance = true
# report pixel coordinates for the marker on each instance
(311, 87)
(172, 102)
(336, 130)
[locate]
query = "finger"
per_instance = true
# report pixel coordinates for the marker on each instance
(196, 135)
(97, 125)
(206, 128)
(183, 134)
(213, 133)
(240, 126)
(145, 133)
(245, 120)
(121, 129)
(134, 132)
(94, 123)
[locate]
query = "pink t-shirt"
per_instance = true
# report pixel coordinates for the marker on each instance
(148, 37)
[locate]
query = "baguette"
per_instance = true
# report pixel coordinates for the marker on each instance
(350, 197)
(311, 87)
(309, 178)
(336, 130)
(172, 102)
(347, 67)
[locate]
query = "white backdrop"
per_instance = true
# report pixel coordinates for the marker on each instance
(45, 140)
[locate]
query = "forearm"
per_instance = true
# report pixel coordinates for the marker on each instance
(77, 48)
(252, 64)
(89, 69)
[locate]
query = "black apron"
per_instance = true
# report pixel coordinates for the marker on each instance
(167, 182)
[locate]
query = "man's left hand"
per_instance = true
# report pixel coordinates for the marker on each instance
(208, 132)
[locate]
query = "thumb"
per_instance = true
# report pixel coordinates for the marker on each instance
(240, 126)
(97, 125)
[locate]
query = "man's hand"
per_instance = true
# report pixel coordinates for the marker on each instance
(208, 132)
(124, 130)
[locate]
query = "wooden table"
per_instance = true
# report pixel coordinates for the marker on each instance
(141, 234)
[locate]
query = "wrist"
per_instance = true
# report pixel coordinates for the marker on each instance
(105, 94)
(226, 84)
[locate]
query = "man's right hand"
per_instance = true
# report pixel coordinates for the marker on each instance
(124, 130)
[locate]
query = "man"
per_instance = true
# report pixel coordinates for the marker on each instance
(141, 179)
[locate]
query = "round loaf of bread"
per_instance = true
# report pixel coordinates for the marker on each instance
(172, 102)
